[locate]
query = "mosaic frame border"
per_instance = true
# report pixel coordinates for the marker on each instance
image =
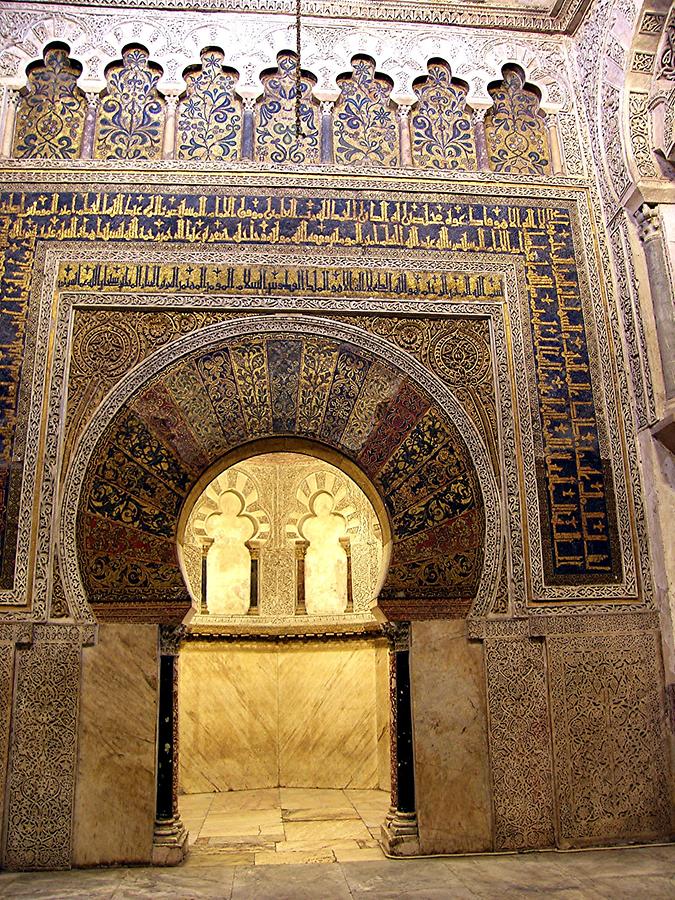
(597, 301)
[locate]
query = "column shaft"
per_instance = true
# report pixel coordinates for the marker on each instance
(13, 98)
(651, 235)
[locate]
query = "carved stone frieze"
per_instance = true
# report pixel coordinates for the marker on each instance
(97, 37)
(546, 17)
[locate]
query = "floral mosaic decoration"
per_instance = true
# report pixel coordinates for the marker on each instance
(442, 136)
(364, 123)
(131, 116)
(276, 138)
(52, 109)
(514, 127)
(209, 115)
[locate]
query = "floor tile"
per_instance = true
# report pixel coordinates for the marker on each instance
(84, 883)
(309, 798)
(186, 883)
(404, 878)
(656, 860)
(305, 856)
(231, 801)
(290, 882)
(326, 831)
(320, 813)
(631, 887)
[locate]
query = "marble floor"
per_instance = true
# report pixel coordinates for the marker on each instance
(278, 826)
(632, 874)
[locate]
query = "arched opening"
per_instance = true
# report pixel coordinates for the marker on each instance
(211, 400)
(283, 698)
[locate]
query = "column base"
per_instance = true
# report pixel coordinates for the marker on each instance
(399, 834)
(169, 842)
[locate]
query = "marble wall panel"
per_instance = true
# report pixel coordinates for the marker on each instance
(383, 714)
(327, 715)
(227, 716)
(115, 792)
(520, 743)
(257, 714)
(452, 772)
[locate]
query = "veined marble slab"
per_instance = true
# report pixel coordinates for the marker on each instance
(254, 715)
(115, 793)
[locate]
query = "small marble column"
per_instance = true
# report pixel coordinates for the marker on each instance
(207, 543)
(248, 128)
(553, 130)
(254, 602)
(346, 545)
(480, 138)
(170, 839)
(327, 131)
(300, 553)
(89, 133)
(11, 106)
(399, 833)
(651, 235)
(403, 115)
(169, 140)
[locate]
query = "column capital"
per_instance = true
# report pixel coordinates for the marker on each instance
(171, 99)
(403, 110)
(93, 99)
(478, 115)
(249, 103)
(170, 639)
(648, 222)
(398, 635)
(14, 96)
(327, 107)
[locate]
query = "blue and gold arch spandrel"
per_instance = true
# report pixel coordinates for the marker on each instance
(255, 388)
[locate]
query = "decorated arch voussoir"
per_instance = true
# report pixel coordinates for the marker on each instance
(198, 400)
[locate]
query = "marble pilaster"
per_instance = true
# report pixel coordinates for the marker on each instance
(452, 765)
(116, 765)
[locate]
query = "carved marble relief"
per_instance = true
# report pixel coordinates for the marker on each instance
(44, 729)
(442, 135)
(209, 113)
(520, 746)
(228, 561)
(326, 581)
(611, 762)
(52, 109)
(364, 122)
(276, 137)
(6, 695)
(131, 114)
(514, 127)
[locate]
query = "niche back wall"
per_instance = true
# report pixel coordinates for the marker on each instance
(262, 714)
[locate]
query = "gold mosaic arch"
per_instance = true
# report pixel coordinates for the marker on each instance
(190, 404)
